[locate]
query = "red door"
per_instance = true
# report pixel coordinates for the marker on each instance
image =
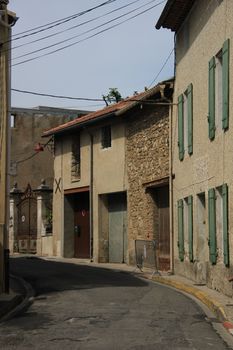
(164, 228)
(82, 227)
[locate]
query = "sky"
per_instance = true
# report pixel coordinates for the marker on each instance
(128, 57)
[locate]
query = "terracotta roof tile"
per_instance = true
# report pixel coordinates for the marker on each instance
(109, 110)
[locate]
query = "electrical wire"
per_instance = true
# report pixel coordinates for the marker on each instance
(89, 37)
(59, 22)
(131, 99)
(167, 59)
(83, 33)
(58, 96)
(75, 26)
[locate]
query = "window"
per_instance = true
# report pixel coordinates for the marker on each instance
(185, 122)
(12, 121)
(185, 228)
(218, 116)
(201, 227)
(218, 225)
(106, 137)
(75, 158)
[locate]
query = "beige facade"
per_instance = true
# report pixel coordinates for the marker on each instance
(201, 173)
(108, 168)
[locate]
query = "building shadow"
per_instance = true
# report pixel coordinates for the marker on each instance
(47, 276)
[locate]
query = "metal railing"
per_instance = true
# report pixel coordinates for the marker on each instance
(145, 254)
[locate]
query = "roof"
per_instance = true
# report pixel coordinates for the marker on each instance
(114, 110)
(174, 13)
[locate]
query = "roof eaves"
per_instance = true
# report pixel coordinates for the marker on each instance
(61, 130)
(174, 13)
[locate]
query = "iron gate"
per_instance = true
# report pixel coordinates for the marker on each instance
(27, 222)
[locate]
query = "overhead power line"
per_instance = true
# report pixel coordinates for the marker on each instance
(157, 75)
(89, 37)
(58, 22)
(75, 26)
(83, 33)
(58, 96)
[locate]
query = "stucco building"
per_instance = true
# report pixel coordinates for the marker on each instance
(103, 177)
(202, 140)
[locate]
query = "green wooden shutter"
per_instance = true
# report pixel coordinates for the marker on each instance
(190, 226)
(225, 224)
(225, 84)
(190, 118)
(212, 226)
(181, 229)
(211, 116)
(180, 127)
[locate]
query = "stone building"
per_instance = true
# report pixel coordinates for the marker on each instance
(105, 187)
(31, 161)
(202, 140)
(147, 162)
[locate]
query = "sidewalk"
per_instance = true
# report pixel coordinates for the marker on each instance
(19, 298)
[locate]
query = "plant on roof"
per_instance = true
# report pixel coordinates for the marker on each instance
(113, 96)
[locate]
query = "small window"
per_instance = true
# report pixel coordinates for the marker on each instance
(106, 137)
(12, 121)
(75, 158)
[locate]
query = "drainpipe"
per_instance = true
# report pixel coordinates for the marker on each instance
(171, 170)
(171, 191)
(91, 197)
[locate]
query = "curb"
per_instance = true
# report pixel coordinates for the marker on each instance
(23, 301)
(211, 303)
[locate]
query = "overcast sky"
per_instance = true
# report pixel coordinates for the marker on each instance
(128, 57)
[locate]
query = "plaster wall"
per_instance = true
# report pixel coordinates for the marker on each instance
(108, 177)
(201, 37)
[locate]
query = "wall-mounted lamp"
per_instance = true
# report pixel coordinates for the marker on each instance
(40, 147)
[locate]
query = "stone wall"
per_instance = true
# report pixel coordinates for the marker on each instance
(27, 128)
(147, 159)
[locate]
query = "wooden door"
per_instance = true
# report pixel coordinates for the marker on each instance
(82, 227)
(162, 195)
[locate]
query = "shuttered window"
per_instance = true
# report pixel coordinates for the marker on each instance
(225, 84)
(190, 227)
(185, 122)
(212, 226)
(218, 115)
(180, 127)
(225, 225)
(190, 118)
(211, 115)
(180, 242)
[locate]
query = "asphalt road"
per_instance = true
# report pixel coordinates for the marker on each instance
(84, 307)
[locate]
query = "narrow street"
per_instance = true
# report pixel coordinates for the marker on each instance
(84, 307)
